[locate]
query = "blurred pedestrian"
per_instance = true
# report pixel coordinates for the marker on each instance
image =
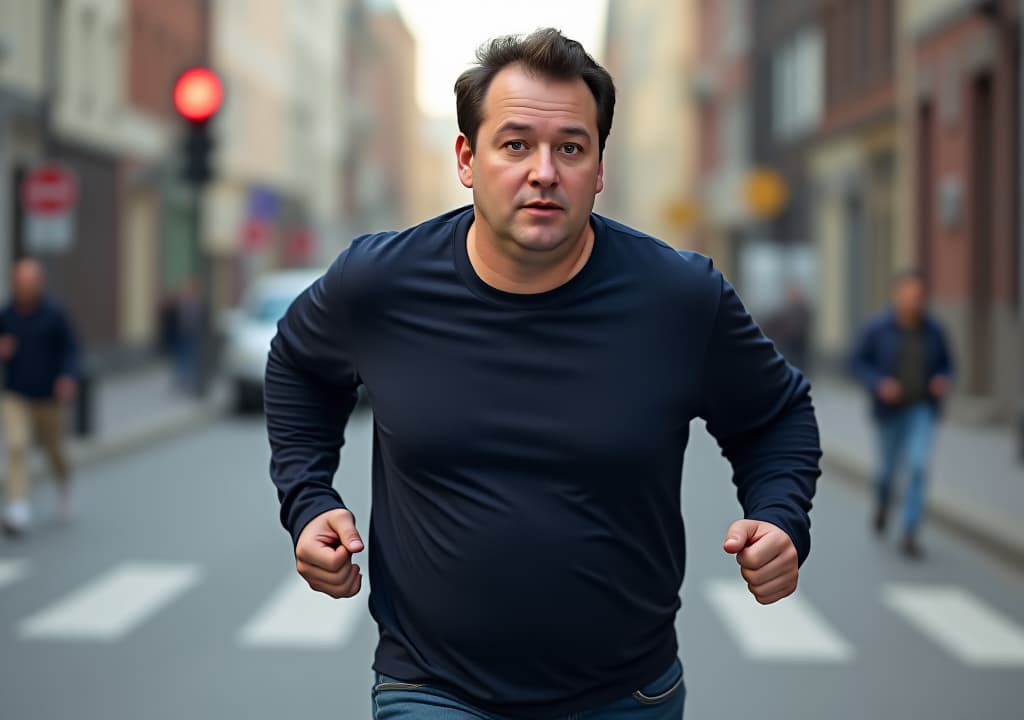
(40, 359)
(533, 369)
(903, 360)
(168, 325)
(188, 330)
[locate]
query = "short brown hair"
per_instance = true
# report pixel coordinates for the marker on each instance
(545, 52)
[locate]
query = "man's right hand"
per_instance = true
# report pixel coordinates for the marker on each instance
(8, 346)
(890, 391)
(324, 553)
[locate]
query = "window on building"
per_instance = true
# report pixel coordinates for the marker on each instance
(735, 28)
(798, 84)
(887, 45)
(862, 60)
(734, 140)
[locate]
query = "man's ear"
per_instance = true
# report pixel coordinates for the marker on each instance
(464, 158)
(600, 177)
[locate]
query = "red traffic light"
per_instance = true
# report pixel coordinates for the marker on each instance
(198, 94)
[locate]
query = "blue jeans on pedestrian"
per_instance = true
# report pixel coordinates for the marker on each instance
(661, 699)
(906, 434)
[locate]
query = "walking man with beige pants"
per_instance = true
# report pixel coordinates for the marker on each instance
(40, 362)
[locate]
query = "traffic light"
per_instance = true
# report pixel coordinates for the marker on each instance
(198, 94)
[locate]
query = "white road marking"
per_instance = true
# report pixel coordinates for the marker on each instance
(296, 616)
(790, 630)
(969, 629)
(11, 571)
(112, 605)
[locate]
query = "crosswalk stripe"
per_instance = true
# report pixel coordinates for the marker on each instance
(296, 616)
(789, 630)
(113, 604)
(11, 571)
(969, 629)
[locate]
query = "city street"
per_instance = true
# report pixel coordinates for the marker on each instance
(173, 595)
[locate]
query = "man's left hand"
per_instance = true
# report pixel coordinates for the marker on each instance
(938, 386)
(767, 559)
(65, 388)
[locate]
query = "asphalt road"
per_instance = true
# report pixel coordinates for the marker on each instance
(173, 595)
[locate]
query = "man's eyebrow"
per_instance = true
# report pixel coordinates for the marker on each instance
(574, 130)
(513, 126)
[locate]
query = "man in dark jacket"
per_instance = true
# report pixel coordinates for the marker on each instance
(40, 358)
(902, 358)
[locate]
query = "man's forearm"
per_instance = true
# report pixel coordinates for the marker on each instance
(305, 427)
(775, 470)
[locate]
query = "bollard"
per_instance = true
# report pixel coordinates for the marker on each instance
(85, 403)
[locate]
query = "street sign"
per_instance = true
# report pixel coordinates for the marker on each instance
(256, 234)
(682, 213)
(299, 246)
(49, 194)
(49, 233)
(49, 189)
(765, 192)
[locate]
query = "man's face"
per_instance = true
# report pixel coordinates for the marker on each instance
(908, 297)
(28, 282)
(536, 169)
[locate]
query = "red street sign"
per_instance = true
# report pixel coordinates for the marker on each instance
(299, 246)
(49, 189)
(255, 234)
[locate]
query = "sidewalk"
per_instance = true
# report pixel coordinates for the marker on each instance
(132, 409)
(976, 482)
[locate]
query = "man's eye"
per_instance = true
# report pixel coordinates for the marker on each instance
(571, 148)
(515, 145)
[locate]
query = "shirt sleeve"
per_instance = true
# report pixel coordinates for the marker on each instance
(863, 363)
(309, 393)
(758, 408)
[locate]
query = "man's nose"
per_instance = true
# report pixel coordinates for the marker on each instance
(544, 173)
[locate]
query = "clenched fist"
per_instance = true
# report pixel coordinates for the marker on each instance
(767, 558)
(323, 554)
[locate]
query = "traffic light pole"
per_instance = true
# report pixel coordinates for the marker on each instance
(197, 96)
(205, 356)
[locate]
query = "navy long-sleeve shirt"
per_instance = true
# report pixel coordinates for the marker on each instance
(45, 349)
(526, 542)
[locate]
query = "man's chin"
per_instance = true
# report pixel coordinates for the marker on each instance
(546, 242)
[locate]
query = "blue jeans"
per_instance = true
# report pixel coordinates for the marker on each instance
(661, 699)
(907, 434)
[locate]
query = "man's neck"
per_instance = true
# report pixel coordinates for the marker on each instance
(504, 270)
(27, 307)
(909, 321)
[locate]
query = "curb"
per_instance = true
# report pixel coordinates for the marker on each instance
(141, 436)
(952, 517)
(90, 452)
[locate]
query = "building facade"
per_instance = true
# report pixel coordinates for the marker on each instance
(721, 90)
(787, 61)
(963, 103)
(855, 164)
(650, 50)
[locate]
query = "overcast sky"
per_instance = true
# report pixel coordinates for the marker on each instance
(448, 32)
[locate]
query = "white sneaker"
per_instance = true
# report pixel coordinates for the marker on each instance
(17, 517)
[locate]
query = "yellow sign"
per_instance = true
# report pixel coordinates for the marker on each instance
(765, 192)
(682, 213)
